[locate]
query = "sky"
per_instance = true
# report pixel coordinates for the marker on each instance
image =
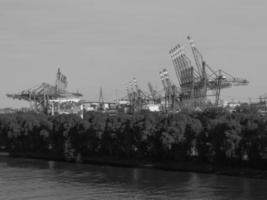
(105, 43)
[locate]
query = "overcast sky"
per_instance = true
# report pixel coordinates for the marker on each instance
(107, 43)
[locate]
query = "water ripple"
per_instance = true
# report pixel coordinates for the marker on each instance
(41, 180)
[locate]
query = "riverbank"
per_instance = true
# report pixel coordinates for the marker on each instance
(206, 142)
(4, 153)
(167, 165)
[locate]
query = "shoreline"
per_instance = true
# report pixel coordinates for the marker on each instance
(178, 166)
(4, 153)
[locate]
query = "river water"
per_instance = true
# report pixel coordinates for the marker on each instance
(36, 179)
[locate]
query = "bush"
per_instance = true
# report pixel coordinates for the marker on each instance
(210, 136)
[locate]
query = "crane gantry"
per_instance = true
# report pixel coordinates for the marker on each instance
(136, 96)
(171, 93)
(195, 82)
(42, 96)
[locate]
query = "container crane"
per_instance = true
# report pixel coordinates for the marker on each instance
(156, 97)
(195, 82)
(171, 92)
(136, 96)
(43, 95)
(153, 92)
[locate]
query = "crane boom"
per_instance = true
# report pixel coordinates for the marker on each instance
(163, 81)
(197, 56)
(153, 93)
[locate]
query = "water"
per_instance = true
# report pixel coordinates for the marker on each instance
(36, 179)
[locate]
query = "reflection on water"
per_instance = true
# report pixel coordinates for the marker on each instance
(36, 179)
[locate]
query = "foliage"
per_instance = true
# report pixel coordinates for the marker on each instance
(210, 136)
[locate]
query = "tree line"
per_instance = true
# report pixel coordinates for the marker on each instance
(212, 136)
